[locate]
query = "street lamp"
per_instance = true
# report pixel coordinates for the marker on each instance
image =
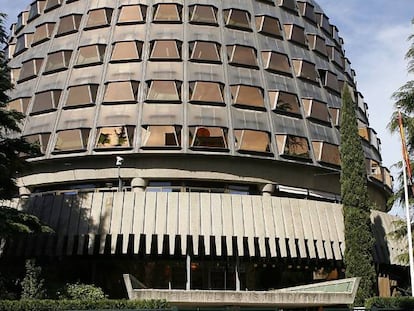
(118, 163)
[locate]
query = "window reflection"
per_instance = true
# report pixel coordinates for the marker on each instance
(276, 62)
(81, 95)
(90, 55)
(161, 136)
(167, 12)
(246, 95)
(240, 55)
(121, 91)
(234, 18)
(69, 24)
(268, 25)
(72, 140)
(204, 51)
(132, 14)
(164, 90)
(207, 92)
(98, 18)
(45, 101)
(126, 51)
(58, 61)
(114, 137)
(252, 141)
(203, 14)
(165, 50)
(284, 102)
(293, 146)
(208, 137)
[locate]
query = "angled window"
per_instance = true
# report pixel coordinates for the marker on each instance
(329, 80)
(164, 90)
(165, 50)
(21, 21)
(363, 131)
(43, 33)
(157, 136)
(114, 137)
(240, 55)
(287, 4)
(374, 170)
(335, 115)
(238, 19)
(203, 14)
(132, 14)
(90, 55)
(295, 33)
(126, 51)
(98, 18)
(206, 92)
(317, 44)
(305, 70)
(316, 110)
(46, 101)
(57, 61)
(30, 69)
(276, 62)
(307, 11)
(293, 146)
(81, 95)
(268, 25)
(39, 140)
(22, 43)
(121, 91)
(336, 56)
(205, 51)
(326, 153)
(19, 104)
(52, 4)
(252, 141)
(69, 24)
(208, 137)
(246, 95)
(72, 140)
(284, 102)
(167, 12)
(36, 8)
(323, 22)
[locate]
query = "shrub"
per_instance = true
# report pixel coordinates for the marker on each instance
(60, 305)
(79, 291)
(397, 303)
(32, 284)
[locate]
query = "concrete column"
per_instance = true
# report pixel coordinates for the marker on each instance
(138, 184)
(24, 192)
(268, 189)
(188, 269)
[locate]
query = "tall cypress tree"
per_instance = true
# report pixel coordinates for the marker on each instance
(356, 205)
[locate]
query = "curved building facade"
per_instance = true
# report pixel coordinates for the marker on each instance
(188, 135)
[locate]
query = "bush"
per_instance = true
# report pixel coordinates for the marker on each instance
(32, 284)
(79, 291)
(60, 305)
(398, 303)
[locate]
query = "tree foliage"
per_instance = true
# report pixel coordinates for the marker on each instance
(33, 284)
(79, 291)
(11, 146)
(356, 205)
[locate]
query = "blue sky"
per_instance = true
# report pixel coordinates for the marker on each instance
(375, 34)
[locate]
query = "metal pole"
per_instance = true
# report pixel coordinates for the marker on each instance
(407, 204)
(119, 179)
(409, 235)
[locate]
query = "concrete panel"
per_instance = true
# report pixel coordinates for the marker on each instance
(206, 213)
(279, 225)
(248, 221)
(195, 220)
(172, 219)
(269, 224)
(238, 222)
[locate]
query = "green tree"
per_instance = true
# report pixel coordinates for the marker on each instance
(11, 147)
(32, 283)
(359, 240)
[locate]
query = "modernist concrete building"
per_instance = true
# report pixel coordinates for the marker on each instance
(190, 143)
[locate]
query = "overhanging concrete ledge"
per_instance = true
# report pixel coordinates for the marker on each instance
(320, 294)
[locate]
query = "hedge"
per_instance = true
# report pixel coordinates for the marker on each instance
(397, 303)
(104, 304)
